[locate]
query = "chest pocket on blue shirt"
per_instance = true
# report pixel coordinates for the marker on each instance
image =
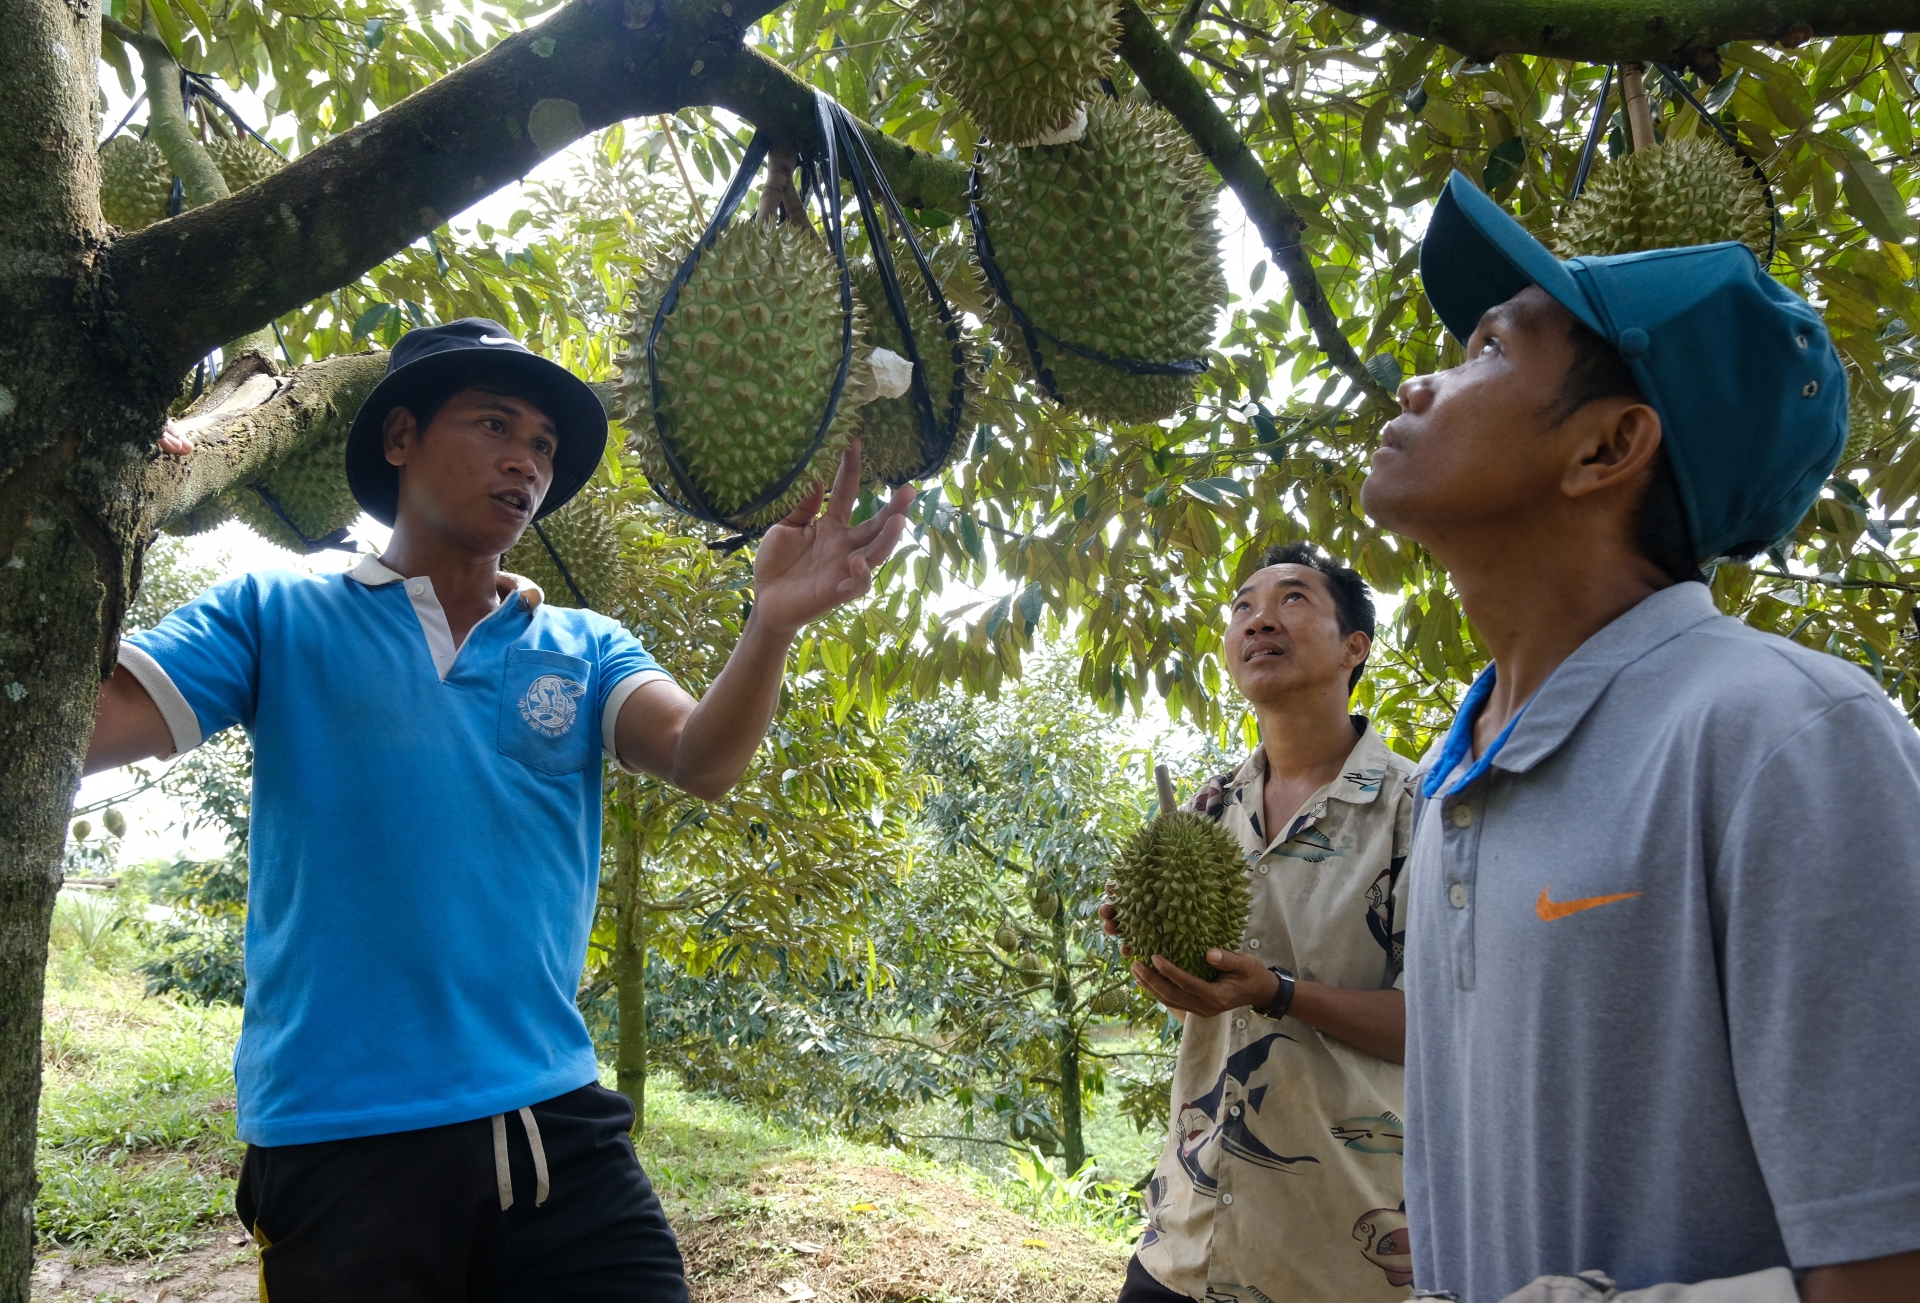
(547, 718)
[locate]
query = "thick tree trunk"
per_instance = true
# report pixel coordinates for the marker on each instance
(630, 954)
(70, 525)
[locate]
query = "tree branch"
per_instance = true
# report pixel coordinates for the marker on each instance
(232, 267)
(167, 126)
(250, 419)
(1622, 31)
(747, 82)
(1181, 94)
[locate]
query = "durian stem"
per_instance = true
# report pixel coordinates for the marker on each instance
(779, 201)
(1633, 95)
(1164, 781)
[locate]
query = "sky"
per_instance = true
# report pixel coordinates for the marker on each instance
(155, 830)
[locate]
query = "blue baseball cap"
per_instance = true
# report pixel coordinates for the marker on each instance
(1750, 391)
(426, 355)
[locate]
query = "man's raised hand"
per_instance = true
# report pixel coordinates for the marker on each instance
(811, 562)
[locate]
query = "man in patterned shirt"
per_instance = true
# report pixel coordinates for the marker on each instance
(1281, 1174)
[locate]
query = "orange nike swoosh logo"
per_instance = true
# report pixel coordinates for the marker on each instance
(1549, 910)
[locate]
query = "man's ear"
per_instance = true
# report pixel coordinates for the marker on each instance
(1619, 441)
(398, 433)
(1359, 645)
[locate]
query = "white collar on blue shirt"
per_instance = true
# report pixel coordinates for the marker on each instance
(372, 573)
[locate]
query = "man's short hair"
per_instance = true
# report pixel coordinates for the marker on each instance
(1598, 371)
(426, 400)
(1352, 599)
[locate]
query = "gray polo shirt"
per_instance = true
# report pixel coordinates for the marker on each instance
(1663, 970)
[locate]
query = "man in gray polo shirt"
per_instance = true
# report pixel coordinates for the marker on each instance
(1664, 922)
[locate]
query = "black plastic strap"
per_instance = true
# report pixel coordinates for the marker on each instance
(203, 86)
(1733, 142)
(336, 541)
(936, 439)
(565, 573)
(692, 501)
(1594, 131)
(1032, 334)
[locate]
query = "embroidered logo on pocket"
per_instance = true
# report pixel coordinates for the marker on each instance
(548, 705)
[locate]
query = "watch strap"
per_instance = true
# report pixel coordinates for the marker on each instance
(1284, 1000)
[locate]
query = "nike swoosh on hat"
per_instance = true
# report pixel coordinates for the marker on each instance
(1549, 909)
(498, 339)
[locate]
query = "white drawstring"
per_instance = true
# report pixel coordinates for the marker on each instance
(502, 1174)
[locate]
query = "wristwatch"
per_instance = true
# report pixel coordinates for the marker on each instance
(1284, 1000)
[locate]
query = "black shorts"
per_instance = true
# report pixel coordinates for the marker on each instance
(1141, 1287)
(416, 1217)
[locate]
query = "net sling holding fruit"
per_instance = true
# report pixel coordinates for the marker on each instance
(839, 140)
(1031, 334)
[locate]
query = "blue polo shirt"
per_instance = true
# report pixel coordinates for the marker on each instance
(425, 839)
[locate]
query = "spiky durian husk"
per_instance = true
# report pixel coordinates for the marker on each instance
(1019, 68)
(1006, 938)
(747, 359)
(1031, 964)
(1866, 425)
(244, 162)
(891, 452)
(1180, 889)
(1108, 243)
(582, 532)
(310, 484)
(1679, 193)
(135, 182)
(1108, 1002)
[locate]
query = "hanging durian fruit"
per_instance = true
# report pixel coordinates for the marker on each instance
(1031, 964)
(1046, 902)
(1685, 191)
(309, 485)
(1866, 421)
(1021, 69)
(1181, 889)
(891, 451)
(1107, 243)
(1006, 938)
(582, 533)
(135, 182)
(1109, 1002)
(244, 162)
(746, 359)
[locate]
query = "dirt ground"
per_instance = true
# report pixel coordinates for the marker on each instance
(801, 1231)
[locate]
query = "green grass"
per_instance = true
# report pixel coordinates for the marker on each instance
(138, 1155)
(137, 1150)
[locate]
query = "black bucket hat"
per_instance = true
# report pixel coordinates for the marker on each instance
(426, 355)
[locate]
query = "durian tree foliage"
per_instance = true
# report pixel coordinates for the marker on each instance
(1332, 127)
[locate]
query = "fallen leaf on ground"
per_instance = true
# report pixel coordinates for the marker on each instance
(804, 1246)
(1035, 1244)
(864, 1207)
(797, 1290)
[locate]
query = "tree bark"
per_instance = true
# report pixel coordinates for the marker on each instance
(630, 952)
(1166, 78)
(1073, 1141)
(1621, 31)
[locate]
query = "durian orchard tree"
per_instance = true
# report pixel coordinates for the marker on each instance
(1331, 125)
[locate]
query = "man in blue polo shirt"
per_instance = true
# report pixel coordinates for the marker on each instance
(1664, 913)
(416, 1088)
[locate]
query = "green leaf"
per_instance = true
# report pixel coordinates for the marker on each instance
(1873, 199)
(372, 319)
(1505, 161)
(1031, 606)
(376, 32)
(1385, 368)
(1258, 276)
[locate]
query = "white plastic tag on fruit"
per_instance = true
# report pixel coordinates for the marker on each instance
(1064, 134)
(892, 374)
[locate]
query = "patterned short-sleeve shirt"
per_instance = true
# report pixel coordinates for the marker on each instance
(1281, 1177)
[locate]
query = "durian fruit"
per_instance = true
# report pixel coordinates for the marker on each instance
(82, 830)
(135, 182)
(1006, 938)
(1181, 889)
(1108, 1002)
(1866, 425)
(891, 451)
(1684, 191)
(1046, 903)
(747, 359)
(115, 821)
(1107, 243)
(582, 532)
(244, 162)
(1019, 68)
(1031, 964)
(310, 486)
